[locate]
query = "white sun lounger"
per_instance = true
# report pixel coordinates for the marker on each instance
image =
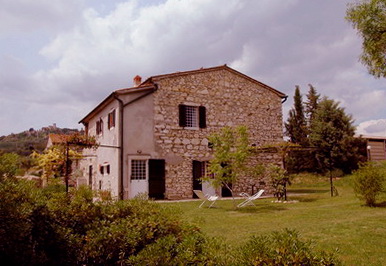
(249, 199)
(211, 199)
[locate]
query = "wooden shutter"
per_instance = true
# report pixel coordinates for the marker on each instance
(197, 174)
(98, 127)
(157, 179)
(202, 116)
(182, 115)
(113, 119)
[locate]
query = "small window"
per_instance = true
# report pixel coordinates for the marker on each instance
(138, 169)
(111, 119)
(104, 169)
(192, 116)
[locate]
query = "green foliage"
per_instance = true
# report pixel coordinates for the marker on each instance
(278, 181)
(52, 161)
(194, 249)
(9, 164)
(296, 127)
(368, 182)
(42, 228)
(368, 17)
(230, 152)
(332, 132)
(311, 104)
(283, 248)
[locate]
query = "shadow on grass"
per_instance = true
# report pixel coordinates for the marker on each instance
(303, 199)
(291, 191)
(380, 205)
(261, 209)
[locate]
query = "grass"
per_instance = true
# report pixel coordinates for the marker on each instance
(342, 222)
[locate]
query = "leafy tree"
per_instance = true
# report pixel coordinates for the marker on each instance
(56, 161)
(9, 164)
(368, 17)
(368, 182)
(230, 152)
(332, 132)
(279, 181)
(296, 127)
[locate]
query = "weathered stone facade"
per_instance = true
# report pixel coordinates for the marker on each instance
(148, 129)
(231, 99)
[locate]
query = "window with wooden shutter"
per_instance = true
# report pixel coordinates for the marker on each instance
(111, 119)
(192, 116)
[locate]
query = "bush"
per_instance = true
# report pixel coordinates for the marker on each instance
(49, 227)
(368, 182)
(42, 228)
(282, 248)
(9, 164)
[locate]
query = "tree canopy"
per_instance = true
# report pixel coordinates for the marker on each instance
(368, 17)
(332, 132)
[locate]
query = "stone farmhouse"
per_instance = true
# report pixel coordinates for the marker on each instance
(154, 136)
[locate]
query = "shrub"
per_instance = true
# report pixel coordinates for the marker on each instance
(9, 164)
(368, 182)
(49, 227)
(282, 248)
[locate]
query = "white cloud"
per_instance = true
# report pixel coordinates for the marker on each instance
(97, 46)
(372, 127)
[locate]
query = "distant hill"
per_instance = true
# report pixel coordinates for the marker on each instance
(25, 142)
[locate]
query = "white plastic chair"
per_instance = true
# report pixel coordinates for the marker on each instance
(206, 198)
(249, 199)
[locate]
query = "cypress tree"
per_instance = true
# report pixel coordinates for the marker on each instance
(311, 105)
(296, 126)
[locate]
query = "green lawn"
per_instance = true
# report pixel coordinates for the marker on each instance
(342, 222)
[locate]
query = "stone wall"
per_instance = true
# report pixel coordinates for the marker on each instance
(230, 100)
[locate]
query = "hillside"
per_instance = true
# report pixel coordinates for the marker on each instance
(25, 142)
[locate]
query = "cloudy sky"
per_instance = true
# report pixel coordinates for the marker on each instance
(60, 58)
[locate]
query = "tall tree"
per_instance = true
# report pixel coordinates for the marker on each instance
(369, 18)
(332, 132)
(311, 104)
(296, 127)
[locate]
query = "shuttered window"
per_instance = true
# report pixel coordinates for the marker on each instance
(111, 119)
(192, 116)
(99, 127)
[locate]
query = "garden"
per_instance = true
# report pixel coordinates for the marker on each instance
(341, 224)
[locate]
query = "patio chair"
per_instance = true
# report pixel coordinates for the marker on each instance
(249, 199)
(211, 199)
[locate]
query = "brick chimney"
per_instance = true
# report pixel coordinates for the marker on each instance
(137, 80)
